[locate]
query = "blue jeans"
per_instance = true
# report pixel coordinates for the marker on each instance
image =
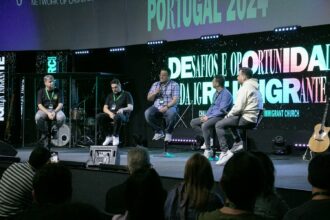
(205, 128)
(154, 118)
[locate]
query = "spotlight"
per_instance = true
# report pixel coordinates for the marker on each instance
(156, 42)
(80, 52)
(117, 49)
(210, 37)
(287, 28)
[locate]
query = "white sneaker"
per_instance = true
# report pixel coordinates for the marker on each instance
(224, 157)
(237, 147)
(107, 141)
(208, 153)
(203, 147)
(158, 136)
(168, 137)
(115, 141)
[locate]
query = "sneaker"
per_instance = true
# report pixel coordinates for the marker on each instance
(158, 136)
(203, 147)
(208, 153)
(237, 146)
(107, 141)
(168, 137)
(115, 140)
(224, 157)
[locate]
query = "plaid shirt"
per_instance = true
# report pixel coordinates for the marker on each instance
(167, 92)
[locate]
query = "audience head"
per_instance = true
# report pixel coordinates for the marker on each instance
(319, 172)
(242, 180)
(198, 180)
(52, 184)
(145, 196)
(269, 171)
(39, 157)
(138, 159)
(244, 74)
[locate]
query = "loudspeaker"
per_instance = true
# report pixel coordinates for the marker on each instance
(103, 155)
(7, 149)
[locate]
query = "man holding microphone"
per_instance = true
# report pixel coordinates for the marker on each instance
(165, 94)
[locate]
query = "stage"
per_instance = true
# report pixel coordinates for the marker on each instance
(291, 170)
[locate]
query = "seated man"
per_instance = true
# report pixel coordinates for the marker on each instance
(243, 114)
(221, 104)
(165, 94)
(50, 104)
(117, 108)
(319, 178)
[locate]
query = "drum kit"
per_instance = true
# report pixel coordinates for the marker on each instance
(80, 132)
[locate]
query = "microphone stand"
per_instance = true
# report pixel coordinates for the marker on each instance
(84, 142)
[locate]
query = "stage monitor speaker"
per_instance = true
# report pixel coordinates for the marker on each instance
(7, 149)
(103, 155)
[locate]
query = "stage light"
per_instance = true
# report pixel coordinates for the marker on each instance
(280, 147)
(300, 145)
(211, 37)
(183, 141)
(117, 49)
(80, 52)
(156, 42)
(287, 28)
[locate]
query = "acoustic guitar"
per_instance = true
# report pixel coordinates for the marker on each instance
(319, 142)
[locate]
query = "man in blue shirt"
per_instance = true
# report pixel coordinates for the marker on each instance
(222, 103)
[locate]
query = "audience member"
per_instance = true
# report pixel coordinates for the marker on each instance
(195, 194)
(269, 203)
(16, 183)
(52, 186)
(137, 159)
(242, 182)
(144, 196)
(319, 177)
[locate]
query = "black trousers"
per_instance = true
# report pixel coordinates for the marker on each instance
(109, 126)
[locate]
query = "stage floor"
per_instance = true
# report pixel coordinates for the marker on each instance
(291, 170)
